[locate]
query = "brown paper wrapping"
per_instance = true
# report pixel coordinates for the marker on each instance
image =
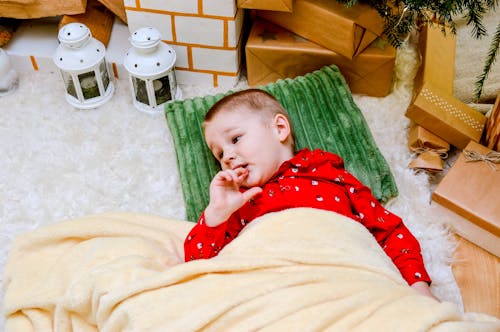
(429, 161)
(97, 18)
(491, 135)
(117, 7)
(344, 30)
(445, 116)
(430, 149)
(472, 190)
(273, 53)
(276, 5)
(421, 138)
(41, 8)
(438, 58)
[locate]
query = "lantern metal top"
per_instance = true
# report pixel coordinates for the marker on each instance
(77, 50)
(145, 38)
(149, 57)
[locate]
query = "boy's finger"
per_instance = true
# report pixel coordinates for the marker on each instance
(252, 192)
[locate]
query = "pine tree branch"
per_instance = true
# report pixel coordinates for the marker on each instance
(490, 60)
(402, 17)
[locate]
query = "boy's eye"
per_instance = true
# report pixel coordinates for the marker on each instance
(236, 139)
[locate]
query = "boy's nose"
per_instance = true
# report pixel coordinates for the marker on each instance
(228, 157)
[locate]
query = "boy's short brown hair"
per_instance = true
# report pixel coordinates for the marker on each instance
(255, 100)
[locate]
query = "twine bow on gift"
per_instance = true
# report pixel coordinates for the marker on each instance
(442, 153)
(428, 159)
(491, 158)
(430, 150)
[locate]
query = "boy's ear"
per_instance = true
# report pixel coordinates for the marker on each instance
(282, 126)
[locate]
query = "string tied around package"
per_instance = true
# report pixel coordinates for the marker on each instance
(442, 153)
(491, 158)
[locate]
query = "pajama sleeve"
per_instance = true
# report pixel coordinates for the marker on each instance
(389, 231)
(205, 242)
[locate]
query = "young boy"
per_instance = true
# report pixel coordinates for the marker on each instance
(250, 134)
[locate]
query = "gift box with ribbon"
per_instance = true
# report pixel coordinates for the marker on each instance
(430, 149)
(445, 116)
(470, 190)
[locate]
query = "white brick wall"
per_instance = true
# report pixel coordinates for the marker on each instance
(205, 34)
(162, 22)
(177, 6)
(219, 60)
(199, 31)
(225, 8)
(235, 28)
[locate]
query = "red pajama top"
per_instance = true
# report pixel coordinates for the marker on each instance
(316, 179)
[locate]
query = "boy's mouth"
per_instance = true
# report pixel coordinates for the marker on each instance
(244, 166)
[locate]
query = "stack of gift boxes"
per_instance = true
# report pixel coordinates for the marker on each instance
(469, 191)
(291, 38)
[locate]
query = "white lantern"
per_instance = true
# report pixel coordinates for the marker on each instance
(8, 75)
(83, 67)
(150, 64)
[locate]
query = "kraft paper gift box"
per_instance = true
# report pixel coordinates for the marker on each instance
(470, 193)
(97, 18)
(445, 116)
(437, 49)
(430, 149)
(491, 134)
(205, 34)
(344, 30)
(277, 5)
(273, 53)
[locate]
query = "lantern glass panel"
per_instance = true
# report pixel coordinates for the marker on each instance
(88, 83)
(70, 85)
(162, 90)
(104, 75)
(140, 90)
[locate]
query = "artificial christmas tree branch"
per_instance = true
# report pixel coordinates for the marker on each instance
(402, 17)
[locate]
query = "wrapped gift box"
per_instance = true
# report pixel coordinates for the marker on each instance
(277, 5)
(445, 116)
(97, 18)
(204, 33)
(471, 191)
(437, 48)
(491, 135)
(117, 7)
(429, 148)
(345, 30)
(25, 9)
(273, 53)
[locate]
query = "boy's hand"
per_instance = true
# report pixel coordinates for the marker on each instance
(423, 288)
(225, 195)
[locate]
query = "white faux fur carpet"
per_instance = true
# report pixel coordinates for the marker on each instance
(58, 163)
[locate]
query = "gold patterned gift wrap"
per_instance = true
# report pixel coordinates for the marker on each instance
(445, 116)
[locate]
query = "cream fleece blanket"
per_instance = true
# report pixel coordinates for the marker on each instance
(295, 270)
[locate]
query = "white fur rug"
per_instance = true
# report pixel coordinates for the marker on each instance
(58, 163)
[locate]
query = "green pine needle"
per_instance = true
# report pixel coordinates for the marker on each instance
(490, 60)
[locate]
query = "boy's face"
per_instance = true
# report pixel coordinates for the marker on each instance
(242, 138)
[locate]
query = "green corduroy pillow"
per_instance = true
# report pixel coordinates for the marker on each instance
(323, 115)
